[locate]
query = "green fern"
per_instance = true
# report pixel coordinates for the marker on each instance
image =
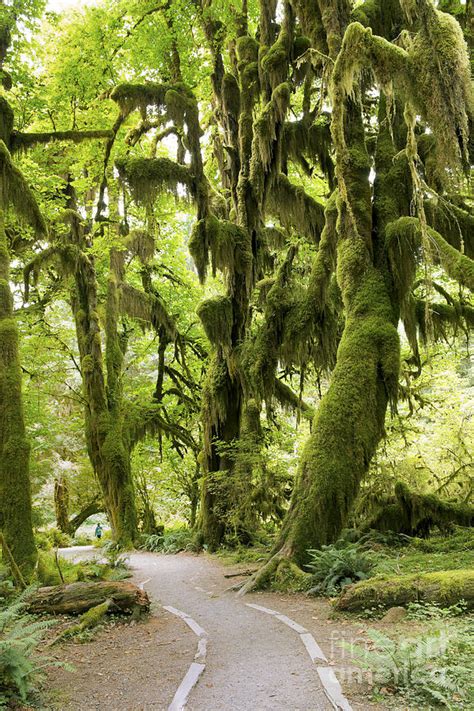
(436, 668)
(333, 567)
(20, 635)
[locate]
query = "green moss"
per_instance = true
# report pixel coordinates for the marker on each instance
(300, 46)
(231, 95)
(404, 235)
(443, 587)
(290, 578)
(224, 244)
(19, 194)
(295, 208)
(217, 319)
(442, 90)
(274, 61)
(15, 495)
(6, 121)
(247, 49)
(147, 177)
(138, 96)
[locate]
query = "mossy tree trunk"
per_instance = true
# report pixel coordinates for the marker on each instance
(15, 494)
(105, 432)
(15, 491)
(376, 252)
(350, 419)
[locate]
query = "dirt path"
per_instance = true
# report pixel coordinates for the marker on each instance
(244, 658)
(253, 661)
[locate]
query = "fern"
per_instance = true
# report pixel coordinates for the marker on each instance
(20, 635)
(171, 542)
(436, 668)
(333, 567)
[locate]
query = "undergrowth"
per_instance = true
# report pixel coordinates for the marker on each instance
(173, 541)
(20, 662)
(432, 670)
(334, 567)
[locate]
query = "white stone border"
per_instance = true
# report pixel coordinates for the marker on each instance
(197, 667)
(327, 677)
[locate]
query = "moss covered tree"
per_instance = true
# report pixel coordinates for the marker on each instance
(377, 249)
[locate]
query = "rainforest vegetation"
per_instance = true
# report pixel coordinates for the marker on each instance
(236, 273)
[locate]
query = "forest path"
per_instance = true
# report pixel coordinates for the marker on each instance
(253, 661)
(247, 659)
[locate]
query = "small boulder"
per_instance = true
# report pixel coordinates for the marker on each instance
(394, 614)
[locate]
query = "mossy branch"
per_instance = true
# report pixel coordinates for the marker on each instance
(147, 308)
(22, 141)
(148, 176)
(289, 399)
(295, 208)
(19, 194)
(457, 265)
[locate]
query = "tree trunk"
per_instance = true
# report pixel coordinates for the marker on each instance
(92, 508)
(108, 450)
(80, 597)
(215, 505)
(350, 420)
(61, 503)
(442, 587)
(15, 494)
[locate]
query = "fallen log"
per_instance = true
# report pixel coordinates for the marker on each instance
(445, 587)
(76, 598)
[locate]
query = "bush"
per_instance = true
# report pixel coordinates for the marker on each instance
(20, 635)
(181, 539)
(52, 538)
(436, 668)
(333, 568)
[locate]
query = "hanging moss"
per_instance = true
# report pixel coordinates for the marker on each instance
(142, 244)
(290, 401)
(217, 319)
(295, 208)
(313, 142)
(455, 223)
(138, 96)
(407, 231)
(147, 177)
(19, 194)
(223, 243)
(442, 90)
(216, 392)
(147, 308)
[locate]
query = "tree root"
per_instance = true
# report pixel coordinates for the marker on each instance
(279, 573)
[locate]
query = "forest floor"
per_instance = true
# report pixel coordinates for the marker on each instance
(254, 662)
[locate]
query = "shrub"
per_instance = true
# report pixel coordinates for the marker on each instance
(436, 668)
(333, 567)
(181, 539)
(20, 635)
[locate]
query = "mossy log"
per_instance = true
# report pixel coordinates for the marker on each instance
(443, 587)
(77, 598)
(416, 514)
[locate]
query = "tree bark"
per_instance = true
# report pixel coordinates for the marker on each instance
(77, 598)
(107, 444)
(15, 493)
(61, 503)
